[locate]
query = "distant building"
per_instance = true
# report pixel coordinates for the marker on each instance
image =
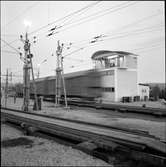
(144, 91)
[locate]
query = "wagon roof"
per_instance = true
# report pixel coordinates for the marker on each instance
(68, 75)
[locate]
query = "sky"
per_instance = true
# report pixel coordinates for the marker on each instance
(136, 26)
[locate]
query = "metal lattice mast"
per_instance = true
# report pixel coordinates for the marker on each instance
(26, 75)
(33, 80)
(58, 76)
(63, 81)
(60, 82)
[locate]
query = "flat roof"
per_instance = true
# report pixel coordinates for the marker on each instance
(106, 53)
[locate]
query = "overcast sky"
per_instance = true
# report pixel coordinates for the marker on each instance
(136, 26)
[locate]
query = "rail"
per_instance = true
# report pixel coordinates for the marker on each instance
(100, 135)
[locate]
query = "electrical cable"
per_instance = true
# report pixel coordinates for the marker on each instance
(21, 14)
(69, 15)
(6, 51)
(99, 12)
(80, 13)
(10, 42)
(137, 21)
(94, 17)
(10, 46)
(124, 34)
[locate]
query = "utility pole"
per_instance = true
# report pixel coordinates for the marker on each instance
(33, 78)
(26, 74)
(59, 77)
(6, 88)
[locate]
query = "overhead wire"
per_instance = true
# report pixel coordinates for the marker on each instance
(141, 49)
(10, 42)
(120, 5)
(97, 16)
(83, 47)
(137, 22)
(69, 15)
(124, 34)
(21, 14)
(101, 11)
(123, 27)
(6, 51)
(79, 13)
(10, 46)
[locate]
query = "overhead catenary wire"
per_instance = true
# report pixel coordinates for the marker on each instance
(21, 14)
(138, 21)
(60, 27)
(70, 19)
(11, 46)
(95, 17)
(61, 19)
(124, 27)
(122, 35)
(102, 11)
(10, 43)
(142, 49)
(9, 35)
(90, 45)
(7, 51)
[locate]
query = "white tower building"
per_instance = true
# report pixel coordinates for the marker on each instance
(119, 74)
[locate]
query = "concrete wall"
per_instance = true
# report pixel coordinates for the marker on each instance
(126, 83)
(108, 81)
(131, 62)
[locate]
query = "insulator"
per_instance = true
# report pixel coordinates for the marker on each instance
(29, 56)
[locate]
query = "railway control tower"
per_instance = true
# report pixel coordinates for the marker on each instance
(118, 74)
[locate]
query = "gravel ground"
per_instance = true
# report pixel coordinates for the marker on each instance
(155, 127)
(42, 152)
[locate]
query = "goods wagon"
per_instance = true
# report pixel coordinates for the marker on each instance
(83, 84)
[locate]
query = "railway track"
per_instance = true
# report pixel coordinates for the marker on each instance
(136, 145)
(121, 108)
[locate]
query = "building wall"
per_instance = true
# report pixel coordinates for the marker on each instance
(108, 81)
(126, 83)
(131, 62)
(143, 91)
